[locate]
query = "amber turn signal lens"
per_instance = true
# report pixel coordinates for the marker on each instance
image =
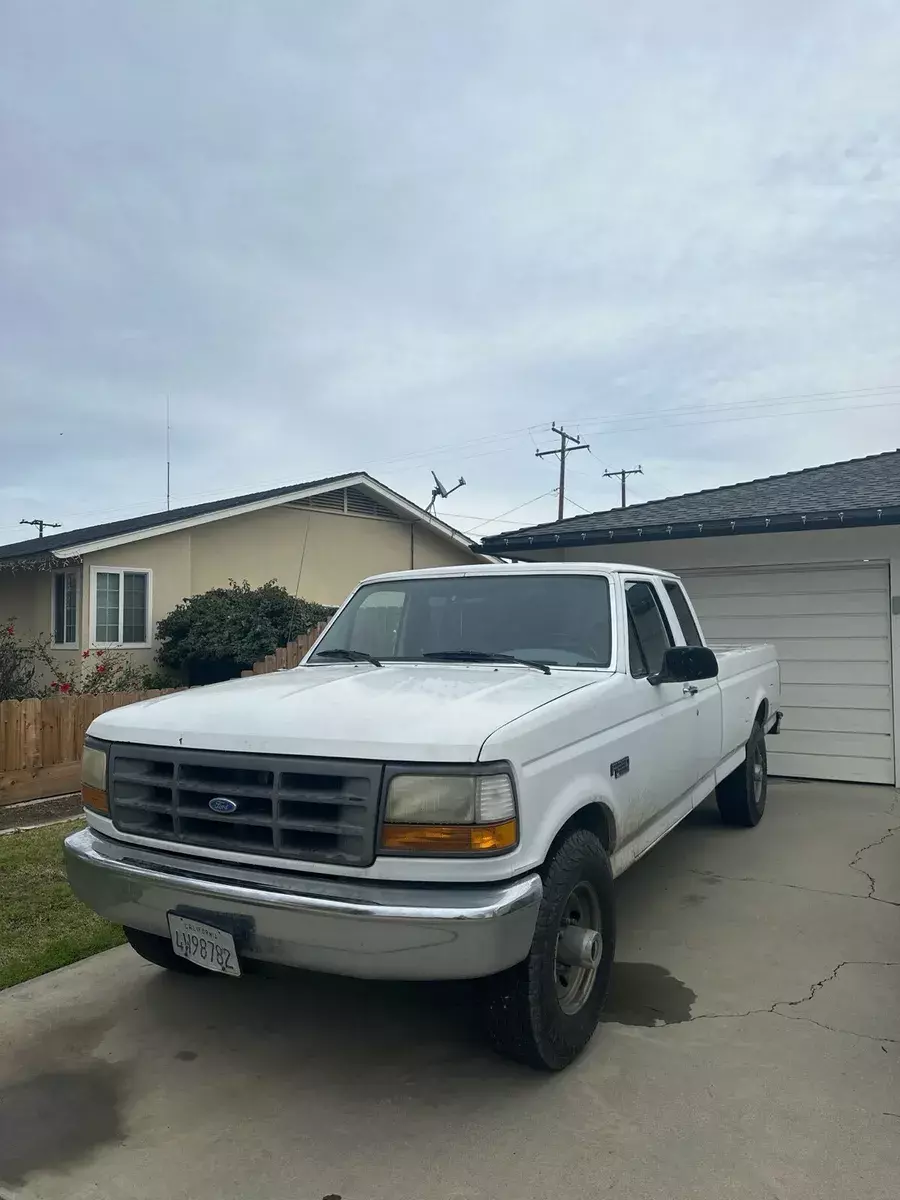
(451, 839)
(95, 798)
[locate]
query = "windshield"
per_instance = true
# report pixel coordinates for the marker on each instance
(561, 620)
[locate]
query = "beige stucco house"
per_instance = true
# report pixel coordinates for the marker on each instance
(109, 585)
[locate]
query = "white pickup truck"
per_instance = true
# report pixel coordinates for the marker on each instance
(445, 788)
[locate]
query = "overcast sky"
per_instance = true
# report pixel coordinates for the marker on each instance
(396, 235)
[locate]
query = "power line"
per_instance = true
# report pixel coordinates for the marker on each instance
(623, 475)
(511, 435)
(589, 511)
(509, 511)
(564, 450)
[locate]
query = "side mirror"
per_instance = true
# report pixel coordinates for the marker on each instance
(683, 664)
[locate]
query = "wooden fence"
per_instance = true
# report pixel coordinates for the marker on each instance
(41, 741)
(286, 656)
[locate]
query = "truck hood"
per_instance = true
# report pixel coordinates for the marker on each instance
(400, 712)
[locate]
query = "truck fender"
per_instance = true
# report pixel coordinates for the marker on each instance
(580, 796)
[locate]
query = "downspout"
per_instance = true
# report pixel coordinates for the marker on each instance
(412, 545)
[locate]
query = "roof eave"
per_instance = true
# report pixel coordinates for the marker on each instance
(678, 530)
(404, 506)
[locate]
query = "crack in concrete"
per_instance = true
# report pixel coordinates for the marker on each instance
(860, 870)
(772, 1009)
(800, 887)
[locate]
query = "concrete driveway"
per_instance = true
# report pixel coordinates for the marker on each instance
(750, 1051)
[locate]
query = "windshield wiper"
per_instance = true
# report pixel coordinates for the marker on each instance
(484, 656)
(350, 656)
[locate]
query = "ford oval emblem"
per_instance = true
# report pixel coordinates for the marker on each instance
(221, 804)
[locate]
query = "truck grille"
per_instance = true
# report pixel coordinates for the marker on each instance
(318, 810)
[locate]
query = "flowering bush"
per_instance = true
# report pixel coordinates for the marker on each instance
(98, 671)
(20, 660)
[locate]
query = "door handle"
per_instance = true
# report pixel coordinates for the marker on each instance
(690, 690)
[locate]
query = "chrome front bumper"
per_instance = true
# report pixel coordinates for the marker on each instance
(345, 927)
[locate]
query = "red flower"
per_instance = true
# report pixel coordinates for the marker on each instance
(54, 686)
(99, 653)
(101, 668)
(10, 629)
(66, 687)
(85, 653)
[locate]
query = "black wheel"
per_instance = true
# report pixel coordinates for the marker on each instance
(742, 796)
(544, 1011)
(158, 950)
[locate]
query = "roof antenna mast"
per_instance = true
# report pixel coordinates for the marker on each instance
(440, 490)
(168, 460)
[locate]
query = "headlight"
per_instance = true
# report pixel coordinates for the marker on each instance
(93, 779)
(450, 813)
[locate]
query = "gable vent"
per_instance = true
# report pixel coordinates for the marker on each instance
(353, 501)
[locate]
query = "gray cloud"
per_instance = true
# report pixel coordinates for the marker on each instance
(392, 236)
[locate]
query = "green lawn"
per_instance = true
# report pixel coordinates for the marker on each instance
(42, 925)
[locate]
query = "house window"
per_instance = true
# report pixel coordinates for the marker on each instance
(121, 607)
(65, 608)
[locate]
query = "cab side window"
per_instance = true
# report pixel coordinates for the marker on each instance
(649, 635)
(686, 620)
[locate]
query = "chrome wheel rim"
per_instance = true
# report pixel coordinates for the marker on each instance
(574, 984)
(758, 772)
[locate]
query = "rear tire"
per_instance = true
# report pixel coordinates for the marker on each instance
(158, 950)
(742, 796)
(542, 1012)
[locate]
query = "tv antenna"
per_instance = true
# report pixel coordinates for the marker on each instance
(440, 490)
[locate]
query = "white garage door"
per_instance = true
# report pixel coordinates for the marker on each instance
(831, 628)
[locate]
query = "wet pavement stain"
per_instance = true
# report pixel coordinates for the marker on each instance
(692, 899)
(51, 1120)
(186, 1055)
(646, 994)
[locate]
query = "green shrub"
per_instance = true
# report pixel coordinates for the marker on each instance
(222, 632)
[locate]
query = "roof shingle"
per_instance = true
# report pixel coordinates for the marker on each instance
(94, 533)
(845, 490)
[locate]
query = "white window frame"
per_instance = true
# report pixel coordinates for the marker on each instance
(76, 573)
(121, 572)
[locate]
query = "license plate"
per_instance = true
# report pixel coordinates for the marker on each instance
(204, 945)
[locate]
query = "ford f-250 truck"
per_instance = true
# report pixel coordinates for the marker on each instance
(445, 788)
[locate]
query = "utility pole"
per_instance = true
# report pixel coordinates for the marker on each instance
(564, 449)
(42, 525)
(623, 475)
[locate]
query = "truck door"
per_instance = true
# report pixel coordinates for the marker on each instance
(664, 762)
(707, 696)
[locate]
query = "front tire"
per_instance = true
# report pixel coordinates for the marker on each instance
(543, 1011)
(742, 796)
(158, 950)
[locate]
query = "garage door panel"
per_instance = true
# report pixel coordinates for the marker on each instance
(811, 695)
(839, 673)
(796, 604)
(831, 630)
(840, 720)
(849, 770)
(784, 583)
(836, 745)
(833, 649)
(771, 629)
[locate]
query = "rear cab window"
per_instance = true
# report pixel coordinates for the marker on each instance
(679, 602)
(649, 632)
